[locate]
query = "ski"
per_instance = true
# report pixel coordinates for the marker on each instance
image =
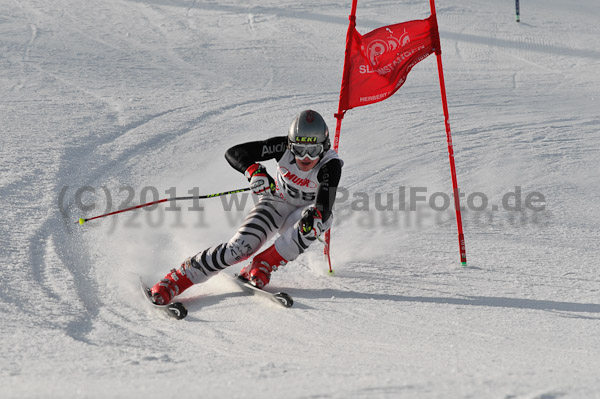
(175, 310)
(280, 298)
(178, 311)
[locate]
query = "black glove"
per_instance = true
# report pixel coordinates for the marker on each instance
(311, 224)
(261, 182)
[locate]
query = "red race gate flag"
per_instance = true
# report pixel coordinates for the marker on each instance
(379, 61)
(376, 66)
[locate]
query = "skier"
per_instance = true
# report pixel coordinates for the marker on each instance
(297, 204)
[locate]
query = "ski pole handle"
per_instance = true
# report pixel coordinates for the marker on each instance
(81, 221)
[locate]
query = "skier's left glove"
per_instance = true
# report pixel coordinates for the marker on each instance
(311, 223)
(261, 182)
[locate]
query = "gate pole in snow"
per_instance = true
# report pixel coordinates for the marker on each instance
(438, 54)
(518, 12)
(336, 143)
(340, 114)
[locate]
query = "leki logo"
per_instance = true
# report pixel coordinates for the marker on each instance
(306, 139)
(286, 174)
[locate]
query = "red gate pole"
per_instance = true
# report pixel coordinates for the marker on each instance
(340, 114)
(438, 54)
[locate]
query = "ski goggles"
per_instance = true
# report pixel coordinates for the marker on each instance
(312, 151)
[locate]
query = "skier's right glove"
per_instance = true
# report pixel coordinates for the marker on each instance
(261, 182)
(311, 224)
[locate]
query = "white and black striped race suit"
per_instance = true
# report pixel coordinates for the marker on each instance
(272, 214)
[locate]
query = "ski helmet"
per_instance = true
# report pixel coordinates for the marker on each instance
(308, 135)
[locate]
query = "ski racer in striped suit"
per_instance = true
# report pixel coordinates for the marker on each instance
(296, 204)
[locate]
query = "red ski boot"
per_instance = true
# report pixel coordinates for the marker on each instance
(174, 283)
(263, 264)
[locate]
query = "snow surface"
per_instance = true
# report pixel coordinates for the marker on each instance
(98, 96)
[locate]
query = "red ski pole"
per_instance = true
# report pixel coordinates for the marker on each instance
(82, 220)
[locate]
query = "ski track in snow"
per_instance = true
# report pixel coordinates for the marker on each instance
(151, 93)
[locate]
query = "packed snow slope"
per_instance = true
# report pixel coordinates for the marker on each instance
(108, 104)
